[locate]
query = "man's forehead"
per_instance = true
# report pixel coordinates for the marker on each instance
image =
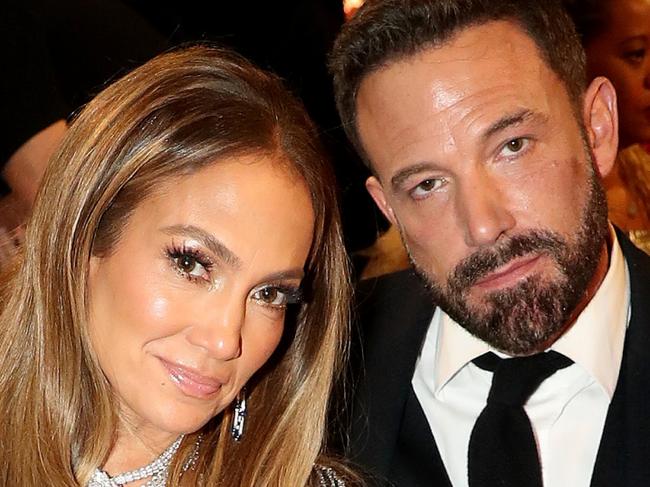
(478, 52)
(471, 81)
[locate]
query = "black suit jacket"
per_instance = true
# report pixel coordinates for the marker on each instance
(390, 436)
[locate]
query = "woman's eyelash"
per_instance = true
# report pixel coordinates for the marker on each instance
(294, 294)
(286, 295)
(186, 261)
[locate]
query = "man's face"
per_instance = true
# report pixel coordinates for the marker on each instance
(480, 161)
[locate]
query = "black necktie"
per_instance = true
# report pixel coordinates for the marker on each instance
(502, 449)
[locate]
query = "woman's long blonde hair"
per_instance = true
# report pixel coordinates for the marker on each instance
(180, 112)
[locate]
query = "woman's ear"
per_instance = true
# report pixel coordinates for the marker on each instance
(601, 122)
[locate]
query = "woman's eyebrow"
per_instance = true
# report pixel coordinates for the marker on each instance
(208, 240)
(297, 274)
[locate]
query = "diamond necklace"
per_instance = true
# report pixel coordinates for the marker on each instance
(158, 470)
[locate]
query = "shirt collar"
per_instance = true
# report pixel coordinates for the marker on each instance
(595, 341)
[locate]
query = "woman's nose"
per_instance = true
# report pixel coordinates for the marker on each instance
(219, 330)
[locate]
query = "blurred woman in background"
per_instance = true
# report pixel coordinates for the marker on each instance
(616, 37)
(178, 313)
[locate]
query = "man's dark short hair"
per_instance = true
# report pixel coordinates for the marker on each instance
(386, 31)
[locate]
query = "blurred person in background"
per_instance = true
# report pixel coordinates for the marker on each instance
(56, 56)
(616, 38)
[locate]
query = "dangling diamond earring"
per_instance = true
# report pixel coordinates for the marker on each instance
(239, 416)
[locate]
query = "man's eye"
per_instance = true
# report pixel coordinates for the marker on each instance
(427, 186)
(515, 146)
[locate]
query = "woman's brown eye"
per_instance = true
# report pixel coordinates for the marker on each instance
(269, 294)
(186, 263)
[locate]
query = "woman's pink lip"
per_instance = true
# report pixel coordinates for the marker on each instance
(191, 382)
(509, 274)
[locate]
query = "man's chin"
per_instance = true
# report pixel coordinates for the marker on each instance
(519, 320)
(518, 338)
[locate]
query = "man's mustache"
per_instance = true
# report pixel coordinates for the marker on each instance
(485, 261)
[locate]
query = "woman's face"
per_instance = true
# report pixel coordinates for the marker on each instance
(621, 53)
(191, 300)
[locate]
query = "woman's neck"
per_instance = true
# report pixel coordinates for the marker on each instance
(135, 448)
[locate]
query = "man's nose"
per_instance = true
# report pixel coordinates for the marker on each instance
(482, 210)
(219, 329)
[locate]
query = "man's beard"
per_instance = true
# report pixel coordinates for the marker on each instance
(526, 317)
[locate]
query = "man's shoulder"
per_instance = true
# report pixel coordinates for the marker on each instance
(389, 287)
(638, 264)
(637, 260)
(393, 305)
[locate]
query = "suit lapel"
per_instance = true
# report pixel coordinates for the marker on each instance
(624, 454)
(417, 461)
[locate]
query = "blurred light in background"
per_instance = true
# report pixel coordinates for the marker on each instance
(351, 6)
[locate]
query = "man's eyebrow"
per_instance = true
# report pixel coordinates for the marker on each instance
(208, 240)
(403, 174)
(511, 120)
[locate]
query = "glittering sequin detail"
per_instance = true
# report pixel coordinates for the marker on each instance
(327, 477)
(158, 470)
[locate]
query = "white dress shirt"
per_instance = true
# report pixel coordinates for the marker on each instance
(567, 411)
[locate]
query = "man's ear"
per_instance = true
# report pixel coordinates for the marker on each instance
(601, 122)
(376, 190)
